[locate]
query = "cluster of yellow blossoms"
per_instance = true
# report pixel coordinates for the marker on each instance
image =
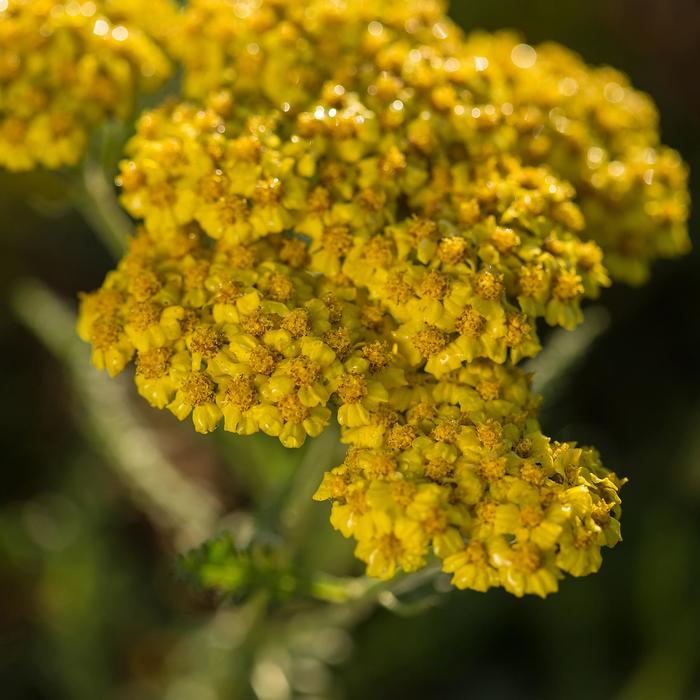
(362, 210)
(437, 95)
(66, 67)
(460, 467)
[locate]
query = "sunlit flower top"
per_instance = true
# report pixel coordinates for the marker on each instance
(65, 67)
(435, 92)
(358, 210)
(460, 468)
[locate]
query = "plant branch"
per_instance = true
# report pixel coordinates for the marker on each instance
(94, 197)
(172, 501)
(563, 351)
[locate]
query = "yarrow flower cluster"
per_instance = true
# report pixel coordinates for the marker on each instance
(65, 67)
(437, 94)
(461, 468)
(359, 210)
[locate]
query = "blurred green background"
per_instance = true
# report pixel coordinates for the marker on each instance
(91, 604)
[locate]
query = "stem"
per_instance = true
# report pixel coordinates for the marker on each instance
(297, 507)
(357, 597)
(173, 502)
(564, 350)
(94, 196)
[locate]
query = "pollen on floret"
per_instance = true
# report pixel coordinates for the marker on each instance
(518, 329)
(435, 285)
(401, 437)
(143, 314)
(195, 275)
(435, 523)
(452, 251)
(262, 360)
(351, 388)
(241, 257)
(476, 553)
(162, 196)
(486, 510)
(145, 285)
(373, 317)
(338, 340)
(371, 198)
(267, 192)
(403, 492)
(102, 303)
(378, 252)
(240, 392)
(489, 433)
(380, 464)
(227, 292)
(447, 431)
(423, 410)
(279, 287)
(233, 209)
(532, 473)
(567, 286)
(470, 322)
(105, 333)
(384, 416)
(493, 468)
(292, 410)
(334, 306)
(318, 200)
(207, 341)
(489, 390)
(397, 289)
(532, 280)
(297, 323)
(531, 516)
(377, 354)
(304, 371)
(430, 340)
(259, 323)
(153, 363)
(421, 229)
(212, 187)
(336, 240)
(199, 389)
(489, 285)
(439, 469)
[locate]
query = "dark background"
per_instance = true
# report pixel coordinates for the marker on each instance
(89, 605)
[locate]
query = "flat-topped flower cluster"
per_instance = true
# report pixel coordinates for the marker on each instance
(358, 211)
(66, 67)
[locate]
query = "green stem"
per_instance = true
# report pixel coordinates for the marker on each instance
(563, 351)
(298, 504)
(93, 195)
(172, 501)
(354, 598)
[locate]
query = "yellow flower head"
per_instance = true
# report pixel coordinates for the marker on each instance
(474, 481)
(359, 209)
(427, 98)
(230, 333)
(66, 66)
